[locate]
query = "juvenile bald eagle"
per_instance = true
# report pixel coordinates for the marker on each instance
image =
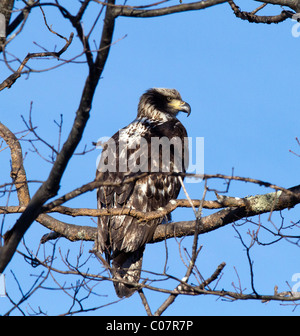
(128, 153)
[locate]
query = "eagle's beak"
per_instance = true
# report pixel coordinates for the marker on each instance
(180, 105)
(185, 107)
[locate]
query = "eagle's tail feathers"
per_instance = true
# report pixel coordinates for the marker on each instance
(127, 266)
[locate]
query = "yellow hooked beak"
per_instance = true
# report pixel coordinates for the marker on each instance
(180, 105)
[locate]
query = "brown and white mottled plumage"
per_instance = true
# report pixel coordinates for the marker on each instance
(122, 238)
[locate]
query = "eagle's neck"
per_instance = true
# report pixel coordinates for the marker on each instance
(149, 112)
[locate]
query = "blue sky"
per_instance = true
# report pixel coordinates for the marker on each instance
(241, 81)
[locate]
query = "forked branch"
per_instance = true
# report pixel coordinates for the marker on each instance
(9, 81)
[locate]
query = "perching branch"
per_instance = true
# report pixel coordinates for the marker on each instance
(39, 207)
(254, 205)
(236, 208)
(244, 207)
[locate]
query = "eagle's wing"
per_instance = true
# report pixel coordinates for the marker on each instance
(123, 237)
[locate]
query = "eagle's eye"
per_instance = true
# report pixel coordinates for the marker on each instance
(169, 98)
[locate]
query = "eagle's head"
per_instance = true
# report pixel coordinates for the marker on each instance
(161, 104)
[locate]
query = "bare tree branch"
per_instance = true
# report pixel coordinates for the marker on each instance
(239, 207)
(293, 4)
(17, 170)
(8, 82)
(257, 205)
(6, 7)
(143, 13)
(253, 18)
(21, 17)
(227, 209)
(249, 206)
(51, 186)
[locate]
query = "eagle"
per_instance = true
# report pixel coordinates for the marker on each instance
(138, 175)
